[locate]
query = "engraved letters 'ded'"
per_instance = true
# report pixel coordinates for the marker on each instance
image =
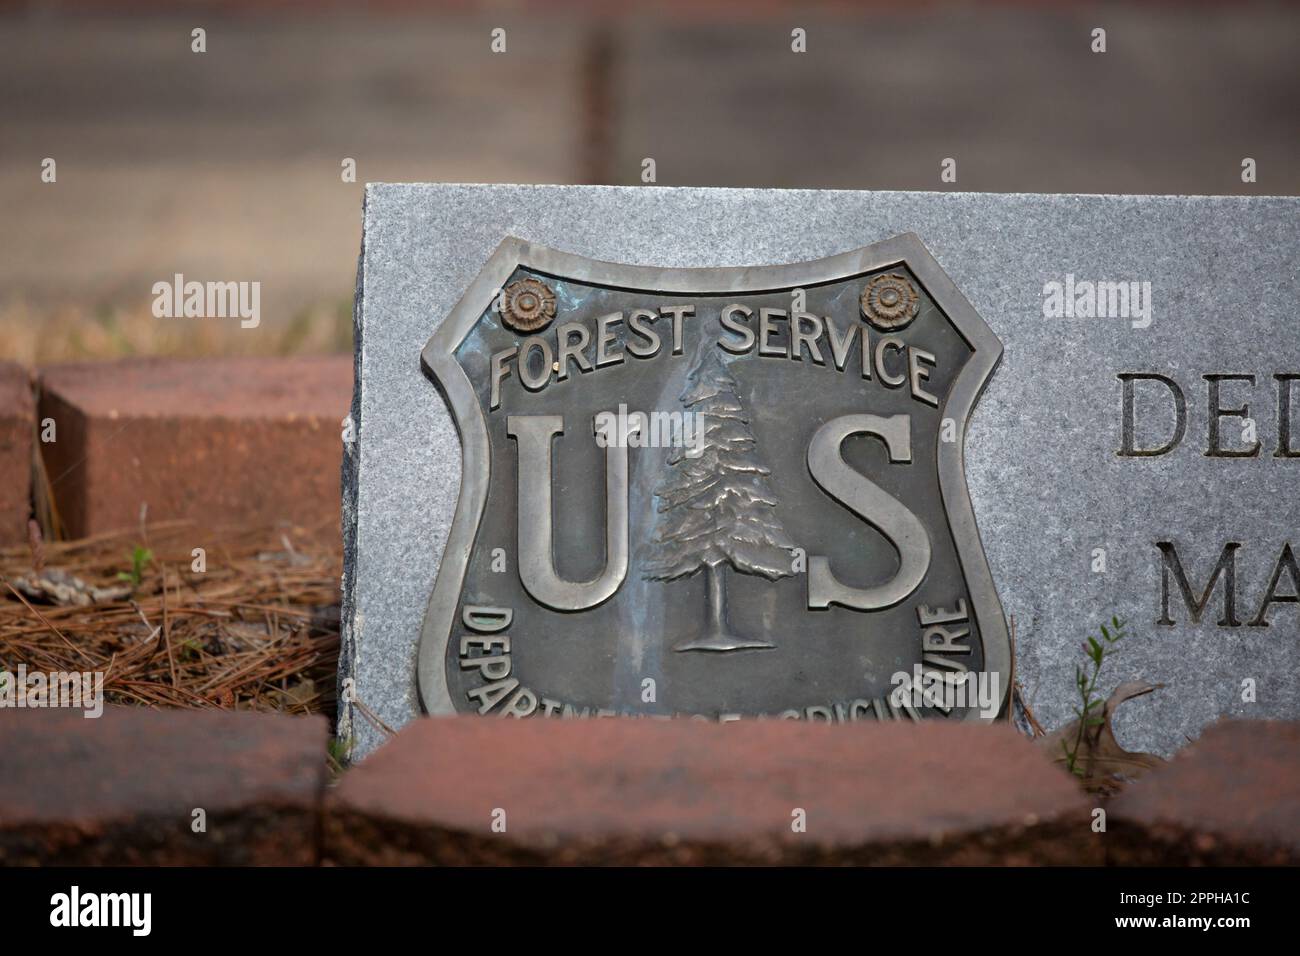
(717, 492)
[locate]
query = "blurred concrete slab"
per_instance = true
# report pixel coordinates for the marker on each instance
(226, 165)
(1014, 94)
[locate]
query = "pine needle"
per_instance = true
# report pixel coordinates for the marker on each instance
(256, 630)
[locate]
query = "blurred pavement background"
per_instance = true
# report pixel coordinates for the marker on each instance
(226, 165)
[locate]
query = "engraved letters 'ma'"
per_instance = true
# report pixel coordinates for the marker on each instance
(712, 492)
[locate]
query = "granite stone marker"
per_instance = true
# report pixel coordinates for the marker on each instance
(711, 444)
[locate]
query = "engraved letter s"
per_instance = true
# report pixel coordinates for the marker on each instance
(867, 500)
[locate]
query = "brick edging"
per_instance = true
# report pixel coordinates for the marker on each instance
(123, 790)
(250, 440)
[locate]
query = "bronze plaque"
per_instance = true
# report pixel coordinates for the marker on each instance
(714, 492)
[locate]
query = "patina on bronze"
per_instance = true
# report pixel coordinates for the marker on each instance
(712, 492)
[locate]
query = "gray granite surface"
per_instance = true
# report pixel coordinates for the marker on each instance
(1046, 482)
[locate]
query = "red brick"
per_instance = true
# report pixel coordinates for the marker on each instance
(219, 441)
(1232, 798)
(628, 791)
(17, 419)
(121, 789)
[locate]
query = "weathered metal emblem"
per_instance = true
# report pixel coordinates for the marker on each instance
(714, 492)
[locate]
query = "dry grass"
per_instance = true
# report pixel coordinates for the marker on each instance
(42, 335)
(258, 630)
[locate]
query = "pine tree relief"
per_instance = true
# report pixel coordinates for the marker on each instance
(717, 507)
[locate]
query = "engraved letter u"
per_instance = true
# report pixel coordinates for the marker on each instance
(534, 433)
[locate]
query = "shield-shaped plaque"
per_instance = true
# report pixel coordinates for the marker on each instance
(714, 492)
